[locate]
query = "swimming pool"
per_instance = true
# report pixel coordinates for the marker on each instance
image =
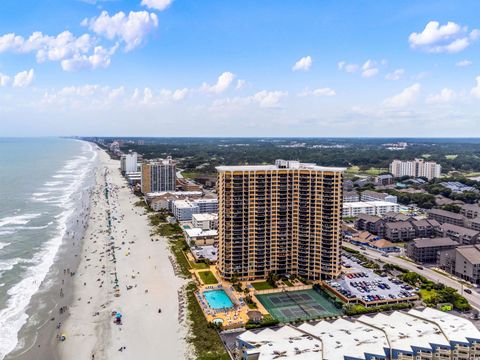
(217, 299)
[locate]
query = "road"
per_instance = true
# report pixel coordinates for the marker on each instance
(473, 298)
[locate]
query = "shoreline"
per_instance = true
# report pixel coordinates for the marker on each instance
(36, 338)
(128, 255)
(150, 291)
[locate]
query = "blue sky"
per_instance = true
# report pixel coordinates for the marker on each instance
(239, 68)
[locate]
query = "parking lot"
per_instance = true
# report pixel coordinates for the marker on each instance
(364, 284)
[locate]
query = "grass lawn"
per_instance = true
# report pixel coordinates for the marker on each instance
(375, 171)
(287, 282)
(451, 157)
(205, 340)
(208, 278)
(262, 285)
(199, 266)
(426, 156)
(354, 170)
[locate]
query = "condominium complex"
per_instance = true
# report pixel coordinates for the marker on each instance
(159, 175)
(417, 334)
(283, 218)
(353, 209)
(128, 163)
(415, 168)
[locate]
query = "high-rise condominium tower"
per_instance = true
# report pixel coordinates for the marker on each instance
(283, 218)
(159, 175)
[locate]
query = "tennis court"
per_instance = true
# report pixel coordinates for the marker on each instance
(289, 306)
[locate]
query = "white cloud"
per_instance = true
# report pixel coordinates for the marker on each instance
(463, 63)
(84, 96)
(369, 69)
(350, 68)
(268, 99)
(175, 95)
(157, 4)
(448, 38)
(408, 96)
(24, 78)
(240, 84)
(222, 84)
(131, 29)
(53, 48)
(4, 80)
(326, 91)
(100, 58)
(475, 92)
(444, 96)
(395, 75)
(303, 64)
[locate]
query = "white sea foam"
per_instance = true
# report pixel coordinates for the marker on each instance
(2, 245)
(13, 317)
(18, 219)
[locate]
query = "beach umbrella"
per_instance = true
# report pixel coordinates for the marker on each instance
(118, 315)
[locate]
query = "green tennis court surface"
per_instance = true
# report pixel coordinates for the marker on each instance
(289, 306)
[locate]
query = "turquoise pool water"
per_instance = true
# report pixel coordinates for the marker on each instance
(217, 299)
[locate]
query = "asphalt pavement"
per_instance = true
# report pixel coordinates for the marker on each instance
(474, 298)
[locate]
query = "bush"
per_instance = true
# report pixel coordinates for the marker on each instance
(352, 310)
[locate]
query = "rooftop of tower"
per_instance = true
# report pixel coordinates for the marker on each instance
(280, 165)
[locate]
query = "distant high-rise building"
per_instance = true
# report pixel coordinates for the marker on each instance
(159, 175)
(283, 218)
(415, 168)
(128, 163)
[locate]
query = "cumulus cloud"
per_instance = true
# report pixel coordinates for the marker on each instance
(264, 99)
(131, 29)
(222, 84)
(303, 64)
(4, 80)
(395, 75)
(268, 99)
(45, 47)
(24, 78)
(350, 68)
(326, 91)
(240, 84)
(475, 92)
(100, 58)
(84, 96)
(444, 96)
(463, 63)
(157, 4)
(448, 38)
(408, 96)
(369, 69)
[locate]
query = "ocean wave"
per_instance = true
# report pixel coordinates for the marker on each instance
(14, 316)
(18, 219)
(53, 183)
(2, 245)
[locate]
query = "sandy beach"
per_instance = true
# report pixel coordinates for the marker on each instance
(149, 294)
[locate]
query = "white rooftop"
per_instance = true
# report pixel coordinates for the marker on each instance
(183, 204)
(177, 193)
(280, 165)
(286, 342)
(343, 338)
(205, 216)
(196, 232)
(405, 331)
(368, 203)
(454, 327)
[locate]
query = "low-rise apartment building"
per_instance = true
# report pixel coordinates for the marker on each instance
(205, 221)
(460, 234)
(464, 262)
(443, 216)
(425, 250)
(371, 208)
(470, 211)
(398, 231)
(369, 195)
(350, 196)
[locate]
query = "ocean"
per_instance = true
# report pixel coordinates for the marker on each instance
(44, 184)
